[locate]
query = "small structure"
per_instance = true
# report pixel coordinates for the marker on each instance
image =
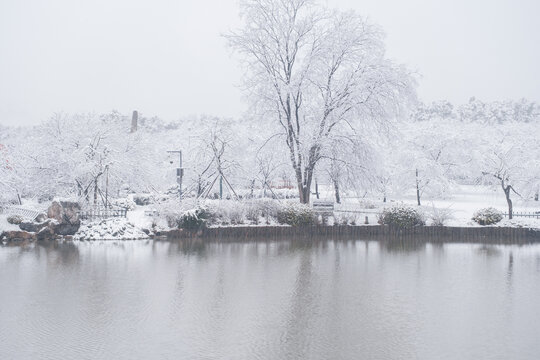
(323, 207)
(179, 170)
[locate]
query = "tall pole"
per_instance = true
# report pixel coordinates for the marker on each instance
(179, 175)
(107, 188)
(179, 172)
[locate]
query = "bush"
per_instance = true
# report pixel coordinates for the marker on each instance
(194, 219)
(344, 219)
(487, 216)
(142, 199)
(269, 208)
(236, 214)
(124, 203)
(253, 213)
(401, 216)
(296, 215)
(15, 219)
(439, 217)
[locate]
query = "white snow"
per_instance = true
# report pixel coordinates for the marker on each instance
(110, 229)
(5, 226)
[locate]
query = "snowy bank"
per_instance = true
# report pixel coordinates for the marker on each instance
(110, 229)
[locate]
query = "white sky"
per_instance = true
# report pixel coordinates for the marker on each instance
(166, 57)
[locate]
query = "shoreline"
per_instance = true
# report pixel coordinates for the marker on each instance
(491, 234)
(442, 234)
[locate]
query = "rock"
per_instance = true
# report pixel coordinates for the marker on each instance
(47, 233)
(66, 213)
(36, 226)
(67, 229)
(14, 219)
(41, 218)
(17, 235)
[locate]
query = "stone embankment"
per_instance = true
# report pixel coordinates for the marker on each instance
(61, 220)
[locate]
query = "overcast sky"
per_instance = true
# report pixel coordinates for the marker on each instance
(166, 57)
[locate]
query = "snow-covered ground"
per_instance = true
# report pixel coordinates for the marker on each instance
(110, 229)
(461, 203)
(5, 226)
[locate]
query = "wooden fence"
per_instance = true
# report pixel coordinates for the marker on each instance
(102, 213)
(534, 215)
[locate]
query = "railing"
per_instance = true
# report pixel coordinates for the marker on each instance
(27, 214)
(102, 213)
(534, 215)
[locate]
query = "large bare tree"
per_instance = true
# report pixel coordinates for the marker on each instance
(318, 75)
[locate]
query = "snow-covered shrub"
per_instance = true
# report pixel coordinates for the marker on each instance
(253, 212)
(142, 199)
(439, 217)
(269, 208)
(236, 214)
(487, 216)
(15, 219)
(296, 215)
(344, 219)
(401, 216)
(125, 203)
(171, 212)
(195, 219)
(265, 208)
(225, 212)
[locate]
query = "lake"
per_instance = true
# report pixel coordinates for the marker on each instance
(269, 300)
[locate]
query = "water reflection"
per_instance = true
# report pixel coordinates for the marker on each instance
(269, 300)
(402, 246)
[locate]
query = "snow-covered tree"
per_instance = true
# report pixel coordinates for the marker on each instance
(316, 73)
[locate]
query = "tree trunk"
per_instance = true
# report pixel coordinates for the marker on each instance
(336, 190)
(508, 200)
(95, 190)
(221, 187)
(305, 187)
(107, 189)
(300, 185)
(417, 189)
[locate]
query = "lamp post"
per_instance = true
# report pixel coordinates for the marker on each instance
(179, 171)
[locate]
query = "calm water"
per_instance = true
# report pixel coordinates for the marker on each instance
(269, 300)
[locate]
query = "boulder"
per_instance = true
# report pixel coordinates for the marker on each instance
(16, 235)
(47, 233)
(41, 218)
(15, 219)
(67, 215)
(37, 226)
(67, 229)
